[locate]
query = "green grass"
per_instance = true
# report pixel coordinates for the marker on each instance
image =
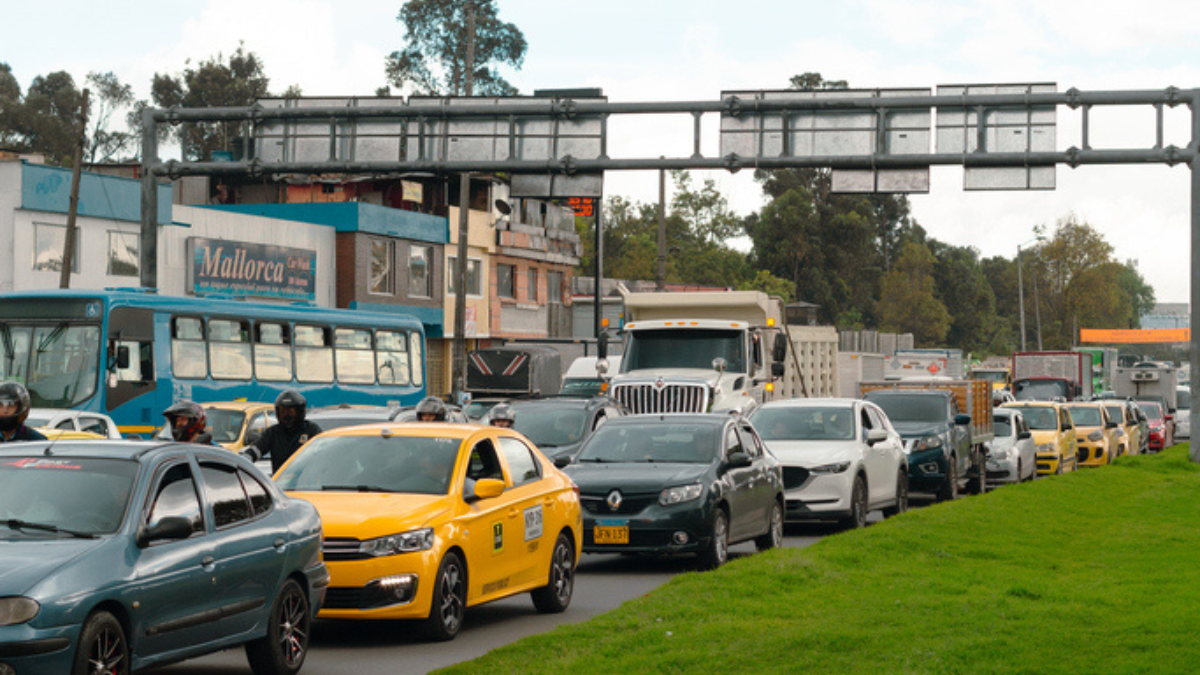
(1096, 572)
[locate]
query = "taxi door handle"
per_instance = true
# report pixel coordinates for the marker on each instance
(513, 512)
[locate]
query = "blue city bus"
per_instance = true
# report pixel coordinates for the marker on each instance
(130, 353)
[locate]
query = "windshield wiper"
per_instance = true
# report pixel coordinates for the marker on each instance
(355, 488)
(15, 524)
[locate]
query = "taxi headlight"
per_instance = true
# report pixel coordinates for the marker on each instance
(17, 610)
(1096, 436)
(394, 544)
(680, 494)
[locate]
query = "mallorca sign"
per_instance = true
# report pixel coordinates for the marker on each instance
(253, 270)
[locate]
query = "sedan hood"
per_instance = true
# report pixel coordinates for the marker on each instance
(26, 561)
(633, 476)
(918, 429)
(366, 515)
(808, 454)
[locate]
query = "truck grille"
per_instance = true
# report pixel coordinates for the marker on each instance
(647, 398)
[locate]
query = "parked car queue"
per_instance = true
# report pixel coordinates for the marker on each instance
(396, 504)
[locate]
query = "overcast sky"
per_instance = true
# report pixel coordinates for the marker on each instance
(668, 50)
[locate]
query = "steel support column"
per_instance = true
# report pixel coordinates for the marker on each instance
(1194, 272)
(148, 246)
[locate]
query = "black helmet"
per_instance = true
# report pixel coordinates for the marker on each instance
(502, 412)
(432, 405)
(194, 425)
(14, 393)
(290, 407)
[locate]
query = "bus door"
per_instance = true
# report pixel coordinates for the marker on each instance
(129, 371)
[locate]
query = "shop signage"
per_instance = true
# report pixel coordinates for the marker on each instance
(252, 270)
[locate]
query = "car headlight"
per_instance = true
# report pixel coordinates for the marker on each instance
(836, 467)
(680, 494)
(17, 610)
(928, 443)
(405, 542)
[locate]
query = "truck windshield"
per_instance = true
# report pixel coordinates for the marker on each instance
(913, 408)
(1039, 390)
(648, 349)
(57, 362)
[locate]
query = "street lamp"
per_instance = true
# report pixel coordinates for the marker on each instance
(1021, 289)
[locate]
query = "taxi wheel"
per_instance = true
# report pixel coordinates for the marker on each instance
(102, 647)
(282, 650)
(555, 596)
(449, 600)
(718, 548)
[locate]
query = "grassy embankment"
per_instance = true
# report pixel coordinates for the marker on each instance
(1096, 572)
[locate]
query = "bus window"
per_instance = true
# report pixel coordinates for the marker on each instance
(188, 355)
(14, 353)
(391, 353)
(418, 374)
(273, 353)
(355, 360)
(229, 349)
(314, 354)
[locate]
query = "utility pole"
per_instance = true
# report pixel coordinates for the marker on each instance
(661, 278)
(64, 278)
(459, 367)
(1021, 297)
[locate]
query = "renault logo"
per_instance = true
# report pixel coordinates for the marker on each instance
(614, 500)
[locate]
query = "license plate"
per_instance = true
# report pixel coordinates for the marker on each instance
(611, 534)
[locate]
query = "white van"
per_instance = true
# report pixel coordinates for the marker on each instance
(581, 379)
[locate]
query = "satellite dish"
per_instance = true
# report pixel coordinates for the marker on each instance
(503, 207)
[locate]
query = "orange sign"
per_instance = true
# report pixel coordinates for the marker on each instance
(584, 206)
(1135, 336)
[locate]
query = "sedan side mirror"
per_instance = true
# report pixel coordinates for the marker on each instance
(561, 461)
(171, 527)
(487, 488)
(876, 436)
(738, 460)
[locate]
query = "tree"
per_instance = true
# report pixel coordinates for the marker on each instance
(10, 104)
(48, 118)
(110, 97)
(907, 303)
(434, 59)
(962, 288)
(217, 83)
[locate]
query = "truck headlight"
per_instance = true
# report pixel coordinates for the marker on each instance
(928, 443)
(17, 610)
(680, 494)
(393, 544)
(836, 467)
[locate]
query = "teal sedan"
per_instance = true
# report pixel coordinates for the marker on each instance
(117, 556)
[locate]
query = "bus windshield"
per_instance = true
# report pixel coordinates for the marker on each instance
(57, 362)
(648, 349)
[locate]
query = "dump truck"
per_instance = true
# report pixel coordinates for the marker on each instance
(946, 426)
(514, 371)
(1050, 376)
(716, 351)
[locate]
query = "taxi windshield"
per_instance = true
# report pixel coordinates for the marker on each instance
(1040, 419)
(224, 425)
(412, 464)
(1086, 417)
(77, 495)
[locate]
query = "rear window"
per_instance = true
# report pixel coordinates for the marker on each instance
(901, 408)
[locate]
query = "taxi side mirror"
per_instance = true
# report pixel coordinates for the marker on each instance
(487, 488)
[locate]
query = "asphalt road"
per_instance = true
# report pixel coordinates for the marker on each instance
(603, 583)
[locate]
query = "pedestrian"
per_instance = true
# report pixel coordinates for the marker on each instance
(187, 420)
(14, 409)
(292, 430)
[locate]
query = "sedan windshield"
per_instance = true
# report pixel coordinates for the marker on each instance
(77, 495)
(674, 443)
(413, 464)
(804, 424)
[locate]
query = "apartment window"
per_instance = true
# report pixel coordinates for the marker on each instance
(48, 243)
(533, 289)
(382, 279)
(420, 281)
(122, 253)
(554, 287)
(473, 267)
(505, 274)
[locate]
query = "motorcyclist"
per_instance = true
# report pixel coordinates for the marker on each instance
(14, 409)
(187, 420)
(431, 409)
(292, 430)
(502, 416)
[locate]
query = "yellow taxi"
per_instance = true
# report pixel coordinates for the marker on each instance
(423, 520)
(1099, 438)
(236, 424)
(1119, 410)
(1053, 434)
(68, 434)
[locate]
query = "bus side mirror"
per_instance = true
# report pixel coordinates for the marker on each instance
(779, 349)
(122, 357)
